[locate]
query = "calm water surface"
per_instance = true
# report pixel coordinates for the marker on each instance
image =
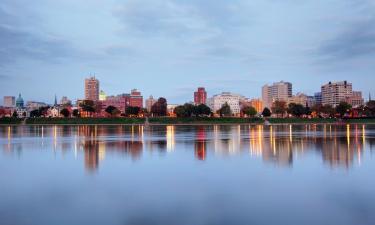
(198, 175)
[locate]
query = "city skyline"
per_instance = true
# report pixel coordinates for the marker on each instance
(223, 46)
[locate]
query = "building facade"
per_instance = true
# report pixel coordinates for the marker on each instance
(135, 98)
(279, 91)
(335, 92)
(301, 99)
(92, 89)
(200, 96)
(9, 101)
(318, 98)
(150, 102)
(233, 100)
(356, 99)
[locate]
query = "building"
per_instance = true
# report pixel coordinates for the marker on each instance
(318, 98)
(102, 96)
(301, 99)
(200, 96)
(32, 105)
(92, 89)
(279, 91)
(257, 104)
(170, 109)
(119, 101)
(335, 92)
(233, 100)
(19, 102)
(65, 101)
(356, 99)
(20, 108)
(9, 101)
(135, 98)
(150, 102)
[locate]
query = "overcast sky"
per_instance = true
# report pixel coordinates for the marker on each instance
(170, 47)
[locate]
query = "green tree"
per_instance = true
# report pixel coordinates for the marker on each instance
(113, 111)
(225, 110)
(342, 108)
(328, 110)
(266, 112)
(35, 113)
(203, 110)
(370, 108)
(65, 112)
(132, 110)
(180, 111)
(15, 115)
(160, 107)
(279, 108)
(190, 109)
(249, 111)
(76, 113)
(296, 110)
(88, 106)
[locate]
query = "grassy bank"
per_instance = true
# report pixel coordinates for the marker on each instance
(203, 120)
(7, 120)
(85, 121)
(168, 120)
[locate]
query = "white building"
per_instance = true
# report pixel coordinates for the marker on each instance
(279, 91)
(335, 92)
(233, 100)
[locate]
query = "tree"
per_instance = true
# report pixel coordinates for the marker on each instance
(266, 112)
(296, 109)
(203, 110)
(328, 110)
(35, 113)
(190, 109)
(76, 113)
(225, 110)
(279, 108)
(370, 108)
(65, 112)
(160, 107)
(15, 115)
(113, 111)
(180, 111)
(342, 108)
(88, 106)
(249, 111)
(132, 110)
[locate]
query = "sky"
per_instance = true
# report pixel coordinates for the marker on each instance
(170, 47)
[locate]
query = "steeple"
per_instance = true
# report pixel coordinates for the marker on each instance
(55, 100)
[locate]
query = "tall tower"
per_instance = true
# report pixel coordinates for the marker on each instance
(92, 89)
(200, 96)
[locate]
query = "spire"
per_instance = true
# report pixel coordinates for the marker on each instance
(55, 100)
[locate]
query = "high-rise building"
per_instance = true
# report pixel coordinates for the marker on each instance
(279, 91)
(233, 100)
(335, 92)
(136, 99)
(200, 96)
(92, 89)
(9, 101)
(149, 103)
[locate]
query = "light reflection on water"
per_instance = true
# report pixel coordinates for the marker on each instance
(214, 174)
(339, 146)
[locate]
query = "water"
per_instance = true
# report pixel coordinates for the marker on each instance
(199, 175)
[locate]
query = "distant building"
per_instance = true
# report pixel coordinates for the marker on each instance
(9, 101)
(136, 99)
(65, 101)
(279, 91)
(92, 89)
(19, 102)
(318, 98)
(20, 109)
(170, 109)
(335, 92)
(150, 102)
(102, 96)
(200, 96)
(32, 105)
(301, 99)
(356, 99)
(233, 100)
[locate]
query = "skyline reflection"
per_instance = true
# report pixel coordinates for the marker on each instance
(339, 146)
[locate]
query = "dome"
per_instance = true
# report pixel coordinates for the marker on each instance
(19, 102)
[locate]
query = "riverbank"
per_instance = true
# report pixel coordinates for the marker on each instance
(176, 121)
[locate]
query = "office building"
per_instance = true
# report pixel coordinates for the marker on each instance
(279, 91)
(233, 100)
(9, 101)
(200, 96)
(92, 89)
(335, 92)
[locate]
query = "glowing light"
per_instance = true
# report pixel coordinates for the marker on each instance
(170, 138)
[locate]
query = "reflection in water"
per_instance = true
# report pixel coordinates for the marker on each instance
(339, 146)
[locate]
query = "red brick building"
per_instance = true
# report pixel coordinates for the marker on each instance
(200, 96)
